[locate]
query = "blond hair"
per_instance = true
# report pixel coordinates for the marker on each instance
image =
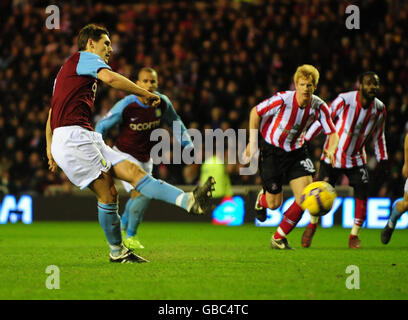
(307, 71)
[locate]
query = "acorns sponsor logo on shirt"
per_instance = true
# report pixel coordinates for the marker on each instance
(144, 126)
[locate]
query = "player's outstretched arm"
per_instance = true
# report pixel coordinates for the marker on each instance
(113, 116)
(169, 117)
(380, 146)
(117, 81)
(48, 135)
(252, 147)
(332, 146)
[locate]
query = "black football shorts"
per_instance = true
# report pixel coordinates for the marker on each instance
(277, 166)
(358, 177)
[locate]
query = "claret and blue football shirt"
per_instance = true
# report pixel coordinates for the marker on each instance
(75, 89)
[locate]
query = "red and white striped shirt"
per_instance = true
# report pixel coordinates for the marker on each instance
(284, 123)
(355, 125)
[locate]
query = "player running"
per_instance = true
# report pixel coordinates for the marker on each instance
(282, 121)
(401, 206)
(136, 122)
(357, 116)
(81, 152)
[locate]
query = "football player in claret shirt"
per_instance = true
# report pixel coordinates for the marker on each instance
(81, 153)
(357, 115)
(136, 122)
(282, 121)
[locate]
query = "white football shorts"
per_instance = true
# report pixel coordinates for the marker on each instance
(82, 154)
(146, 166)
(406, 186)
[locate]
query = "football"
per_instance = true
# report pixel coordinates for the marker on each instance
(318, 198)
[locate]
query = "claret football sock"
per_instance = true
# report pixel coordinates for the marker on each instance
(110, 221)
(360, 216)
(262, 201)
(312, 226)
(279, 234)
(290, 218)
(137, 208)
(360, 212)
(313, 223)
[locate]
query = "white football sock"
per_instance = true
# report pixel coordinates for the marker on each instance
(314, 219)
(355, 230)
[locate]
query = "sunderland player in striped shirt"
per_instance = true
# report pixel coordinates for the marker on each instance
(357, 115)
(402, 205)
(282, 121)
(81, 153)
(136, 122)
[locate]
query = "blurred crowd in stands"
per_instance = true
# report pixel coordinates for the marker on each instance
(215, 60)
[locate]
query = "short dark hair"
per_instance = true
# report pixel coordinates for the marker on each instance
(367, 73)
(90, 31)
(146, 69)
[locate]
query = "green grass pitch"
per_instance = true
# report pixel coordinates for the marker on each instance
(191, 261)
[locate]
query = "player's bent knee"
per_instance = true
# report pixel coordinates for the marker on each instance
(404, 206)
(130, 172)
(137, 173)
(110, 196)
(126, 170)
(114, 195)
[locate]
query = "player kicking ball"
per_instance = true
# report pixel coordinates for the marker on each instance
(136, 122)
(81, 153)
(401, 206)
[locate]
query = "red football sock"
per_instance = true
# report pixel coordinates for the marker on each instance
(359, 217)
(312, 226)
(290, 219)
(360, 212)
(262, 201)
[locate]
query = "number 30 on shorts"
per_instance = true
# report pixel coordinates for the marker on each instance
(308, 165)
